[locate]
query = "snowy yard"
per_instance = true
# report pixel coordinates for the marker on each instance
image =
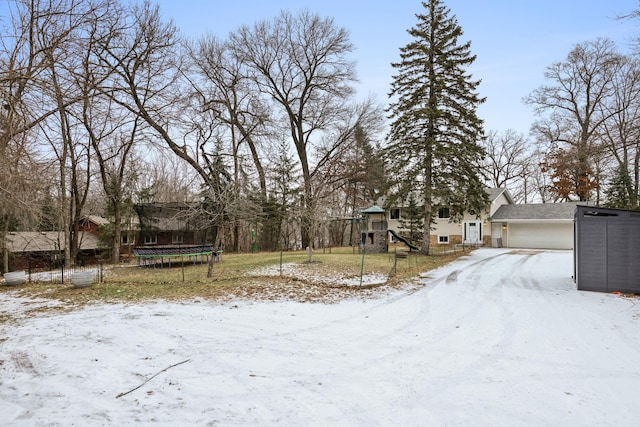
(498, 338)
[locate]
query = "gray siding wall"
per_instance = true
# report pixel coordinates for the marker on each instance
(607, 249)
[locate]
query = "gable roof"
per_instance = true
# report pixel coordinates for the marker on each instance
(45, 241)
(97, 220)
(536, 212)
(494, 193)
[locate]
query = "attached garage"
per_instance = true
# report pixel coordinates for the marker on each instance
(537, 235)
(534, 226)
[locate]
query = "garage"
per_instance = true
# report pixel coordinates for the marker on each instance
(537, 235)
(534, 226)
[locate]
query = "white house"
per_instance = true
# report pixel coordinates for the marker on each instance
(502, 224)
(473, 229)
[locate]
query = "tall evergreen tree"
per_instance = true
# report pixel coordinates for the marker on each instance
(284, 190)
(619, 189)
(412, 220)
(433, 143)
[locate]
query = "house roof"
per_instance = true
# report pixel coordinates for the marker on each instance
(535, 212)
(373, 210)
(494, 193)
(172, 216)
(45, 241)
(98, 220)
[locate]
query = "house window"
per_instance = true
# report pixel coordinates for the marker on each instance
(443, 213)
(126, 239)
(150, 239)
(177, 238)
(394, 213)
(443, 240)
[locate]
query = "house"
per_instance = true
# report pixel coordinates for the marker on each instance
(173, 224)
(174, 231)
(533, 225)
(502, 224)
(45, 249)
(473, 229)
(92, 223)
(96, 225)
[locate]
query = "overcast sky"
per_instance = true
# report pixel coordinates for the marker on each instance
(514, 40)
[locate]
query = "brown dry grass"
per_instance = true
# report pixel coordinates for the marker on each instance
(247, 276)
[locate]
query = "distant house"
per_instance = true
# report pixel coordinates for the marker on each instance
(534, 225)
(36, 250)
(92, 223)
(170, 231)
(95, 225)
(173, 224)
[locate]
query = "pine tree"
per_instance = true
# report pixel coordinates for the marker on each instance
(619, 188)
(412, 219)
(433, 143)
(284, 190)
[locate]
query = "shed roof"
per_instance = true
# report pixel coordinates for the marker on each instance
(46, 241)
(536, 211)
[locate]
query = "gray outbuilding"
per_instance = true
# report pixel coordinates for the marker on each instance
(607, 249)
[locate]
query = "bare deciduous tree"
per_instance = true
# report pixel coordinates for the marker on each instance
(579, 89)
(508, 161)
(621, 134)
(301, 62)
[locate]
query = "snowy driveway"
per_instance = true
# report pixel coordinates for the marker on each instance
(498, 338)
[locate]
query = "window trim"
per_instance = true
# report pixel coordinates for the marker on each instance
(444, 209)
(150, 239)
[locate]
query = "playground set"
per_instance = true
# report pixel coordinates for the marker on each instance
(376, 230)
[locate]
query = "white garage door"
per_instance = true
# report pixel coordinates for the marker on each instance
(541, 236)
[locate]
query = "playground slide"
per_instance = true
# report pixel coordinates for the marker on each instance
(403, 240)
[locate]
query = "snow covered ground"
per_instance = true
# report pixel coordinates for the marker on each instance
(498, 338)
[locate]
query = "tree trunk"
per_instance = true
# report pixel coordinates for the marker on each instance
(3, 241)
(117, 234)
